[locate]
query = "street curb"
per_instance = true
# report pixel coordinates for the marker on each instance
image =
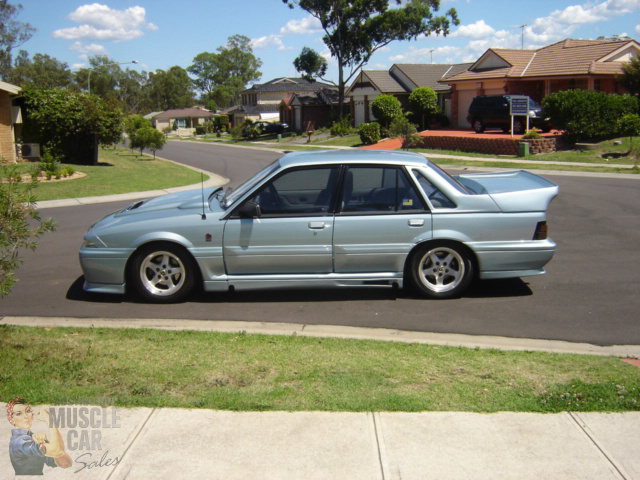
(334, 331)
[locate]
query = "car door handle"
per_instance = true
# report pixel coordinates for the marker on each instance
(316, 225)
(416, 222)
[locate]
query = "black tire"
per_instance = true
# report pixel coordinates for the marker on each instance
(478, 125)
(518, 126)
(441, 270)
(163, 273)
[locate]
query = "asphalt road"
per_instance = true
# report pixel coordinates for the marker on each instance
(590, 293)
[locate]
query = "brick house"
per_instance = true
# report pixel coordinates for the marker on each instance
(262, 101)
(400, 80)
(9, 117)
(183, 118)
(309, 111)
(569, 64)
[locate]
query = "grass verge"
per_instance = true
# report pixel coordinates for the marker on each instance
(157, 368)
(118, 171)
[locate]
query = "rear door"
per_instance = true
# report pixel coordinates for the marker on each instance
(380, 216)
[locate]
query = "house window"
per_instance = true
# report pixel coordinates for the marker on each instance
(597, 85)
(181, 122)
(578, 84)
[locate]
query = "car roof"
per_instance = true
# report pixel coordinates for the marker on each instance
(365, 156)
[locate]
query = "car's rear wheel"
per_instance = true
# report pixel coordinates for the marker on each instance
(441, 270)
(518, 126)
(163, 273)
(478, 126)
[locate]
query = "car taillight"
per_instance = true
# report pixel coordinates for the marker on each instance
(541, 231)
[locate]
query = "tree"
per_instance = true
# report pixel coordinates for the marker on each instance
(12, 34)
(630, 79)
(148, 137)
(424, 102)
(70, 123)
(20, 225)
(131, 92)
(41, 71)
(170, 89)
(385, 108)
(132, 123)
(356, 29)
(221, 76)
(311, 64)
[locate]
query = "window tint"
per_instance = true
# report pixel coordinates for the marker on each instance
(379, 189)
(435, 196)
(298, 192)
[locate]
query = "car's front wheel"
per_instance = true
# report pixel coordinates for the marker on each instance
(442, 270)
(163, 273)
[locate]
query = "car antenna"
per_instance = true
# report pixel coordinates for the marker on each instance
(204, 217)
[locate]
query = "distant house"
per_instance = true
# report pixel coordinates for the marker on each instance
(180, 118)
(9, 117)
(262, 101)
(565, 65)
(309, 111)
(400, 80)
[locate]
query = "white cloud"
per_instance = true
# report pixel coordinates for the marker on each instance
(305, 26)
(423, 55)
(99, 22)
(269, 41)
(93, 49)
(475, 30)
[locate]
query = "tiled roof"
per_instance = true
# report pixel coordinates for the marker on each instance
(254, 109)
(184, 113)
(326, 96)
(287, 84)
(566, 58)
(384, 82)
(428, 74)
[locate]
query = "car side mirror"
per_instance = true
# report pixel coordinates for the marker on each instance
(249, 209)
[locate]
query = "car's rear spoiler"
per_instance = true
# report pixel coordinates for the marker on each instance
(517, 191)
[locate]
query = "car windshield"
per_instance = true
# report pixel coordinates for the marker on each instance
(232, 195)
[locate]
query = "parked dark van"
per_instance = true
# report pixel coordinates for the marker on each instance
(493, 111)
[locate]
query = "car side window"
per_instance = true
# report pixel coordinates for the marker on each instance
(379, 189)
(298, 192)
(435, 195)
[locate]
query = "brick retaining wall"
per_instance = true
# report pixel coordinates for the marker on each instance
(493, 146)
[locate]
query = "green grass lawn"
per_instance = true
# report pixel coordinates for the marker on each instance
(118, 171)
(157, 368)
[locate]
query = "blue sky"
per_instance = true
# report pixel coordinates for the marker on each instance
(162, 33)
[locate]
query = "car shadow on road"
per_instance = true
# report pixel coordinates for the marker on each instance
(512, 287)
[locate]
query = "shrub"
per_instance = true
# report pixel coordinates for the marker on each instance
(587, 114)
(386, 108)
(531, 134)
(201, 129)
(369, 133)
(221, 122)
(341, 127)
(69, 123)
(236, 132)
(403, 128)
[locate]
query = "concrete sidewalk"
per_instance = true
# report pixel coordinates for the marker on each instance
(172, 444)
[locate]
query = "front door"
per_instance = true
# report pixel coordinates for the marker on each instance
(293, 233)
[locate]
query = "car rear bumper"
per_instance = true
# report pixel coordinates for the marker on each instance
(512, 259)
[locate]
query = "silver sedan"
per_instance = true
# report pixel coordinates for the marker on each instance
(327, 218)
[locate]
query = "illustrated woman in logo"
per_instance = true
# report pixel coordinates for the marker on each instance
(30, 452)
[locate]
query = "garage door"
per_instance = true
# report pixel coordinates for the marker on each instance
(464, 100)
